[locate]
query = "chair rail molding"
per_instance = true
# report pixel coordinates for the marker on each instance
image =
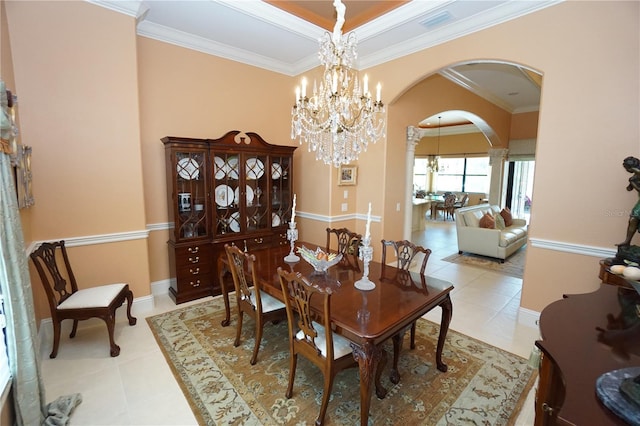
(599, 252)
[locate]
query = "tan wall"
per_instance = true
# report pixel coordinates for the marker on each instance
(189, 94)
(80, 114)
(569, 157)
(524, 125)
(76, 77)
(468, 143)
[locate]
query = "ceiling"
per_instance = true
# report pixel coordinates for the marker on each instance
(282, 36)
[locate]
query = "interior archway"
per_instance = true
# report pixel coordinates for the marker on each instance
(455, 114)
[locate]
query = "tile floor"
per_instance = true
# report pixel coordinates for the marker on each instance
(138, 388)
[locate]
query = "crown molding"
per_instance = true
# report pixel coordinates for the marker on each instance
(135, 8)
(503, 12)
(201, 44)
(498, 15)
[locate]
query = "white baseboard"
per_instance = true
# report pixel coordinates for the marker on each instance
(528, 317)
(161, 287)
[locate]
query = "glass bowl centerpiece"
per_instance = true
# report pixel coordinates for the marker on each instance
(320, 260)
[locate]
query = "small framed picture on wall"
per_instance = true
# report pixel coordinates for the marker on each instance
(347, 175)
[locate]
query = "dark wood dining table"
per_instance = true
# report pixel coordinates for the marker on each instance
(366, 318)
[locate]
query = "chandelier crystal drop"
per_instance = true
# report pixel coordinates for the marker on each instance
(340, 118)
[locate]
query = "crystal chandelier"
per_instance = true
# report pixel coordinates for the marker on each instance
(433, 163)
(340, 118)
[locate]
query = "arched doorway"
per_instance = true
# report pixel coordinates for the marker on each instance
(499, 76)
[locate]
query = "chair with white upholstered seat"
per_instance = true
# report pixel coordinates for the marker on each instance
(250, 298)
(311, 335)
(66, 301)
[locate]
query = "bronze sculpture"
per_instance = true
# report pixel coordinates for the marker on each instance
(628, 253)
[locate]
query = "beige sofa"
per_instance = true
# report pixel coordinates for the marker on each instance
(497, 243)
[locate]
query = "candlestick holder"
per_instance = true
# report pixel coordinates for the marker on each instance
(363, 314)
(292, 236)
(366, 255)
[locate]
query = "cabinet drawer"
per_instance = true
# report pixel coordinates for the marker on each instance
(252, 243)
(196, 254)
(193, 282)
(280, 238)
(194, 269)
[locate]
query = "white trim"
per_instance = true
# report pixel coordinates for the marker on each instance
(97, 239)
(306, 215)
(210, 47)
(338, 218)
(161, 287)
(598, 252)
(306, 31)
(528, 317)
(133, 8)
(159, 226)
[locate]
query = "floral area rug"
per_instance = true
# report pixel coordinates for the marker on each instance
(512, 266)
(483, 386)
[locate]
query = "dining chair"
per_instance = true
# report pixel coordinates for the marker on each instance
(250, 298)
(447, 206)
(406, 253)
(348, 244)
(66, 301)
(311, 333)
(462, 203)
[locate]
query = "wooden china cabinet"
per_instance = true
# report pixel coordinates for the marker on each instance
(237, 189)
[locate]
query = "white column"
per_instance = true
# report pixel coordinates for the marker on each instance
(413, 137)
(497, 158)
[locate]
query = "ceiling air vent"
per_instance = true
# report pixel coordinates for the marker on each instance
(437, 19)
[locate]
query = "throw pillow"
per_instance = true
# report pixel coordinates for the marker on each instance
(506, 215)
(499, 221)
(487, 221)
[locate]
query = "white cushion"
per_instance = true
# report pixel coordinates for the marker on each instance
(269, 303)
(507, 238)
(95, 297)
(472, 218)
(341, 345)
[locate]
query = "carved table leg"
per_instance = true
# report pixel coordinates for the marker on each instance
(222, 268)
(368, 357)
(447, 310)
(397, 347)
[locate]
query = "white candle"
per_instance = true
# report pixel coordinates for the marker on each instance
(378, 92)
(365, 91)
(367, 233)
(293, 210)
(304, 87)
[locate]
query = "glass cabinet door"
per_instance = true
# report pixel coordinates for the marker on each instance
(226, 184)
(255, 192)
(280, 191)
(191, 195)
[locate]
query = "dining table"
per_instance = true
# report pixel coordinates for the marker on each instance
(367, 318)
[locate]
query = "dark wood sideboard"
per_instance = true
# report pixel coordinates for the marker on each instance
(609, 277)
(573, 358)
